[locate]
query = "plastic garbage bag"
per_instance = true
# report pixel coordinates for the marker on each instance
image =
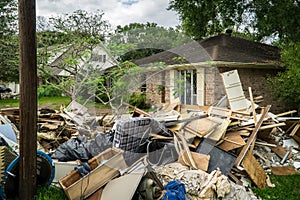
(101, 142)
(73, 149)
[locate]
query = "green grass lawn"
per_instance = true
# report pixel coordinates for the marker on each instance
(50, 102)
(51, 193)
(287, 188)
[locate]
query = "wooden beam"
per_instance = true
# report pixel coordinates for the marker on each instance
(252, 137)
(28, 99)
(252, 105)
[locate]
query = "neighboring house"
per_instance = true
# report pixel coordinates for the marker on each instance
(98, 57)
(192, 71)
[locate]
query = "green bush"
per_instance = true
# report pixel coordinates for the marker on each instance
(286, 84)
(138, 99)
(50, 90)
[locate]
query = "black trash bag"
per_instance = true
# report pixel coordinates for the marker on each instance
(101, 142)
(73, 149)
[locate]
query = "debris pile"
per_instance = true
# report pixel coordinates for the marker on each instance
(210, 152)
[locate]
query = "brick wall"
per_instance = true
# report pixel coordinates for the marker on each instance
(153, 84)
(257, 80)
(214, 88)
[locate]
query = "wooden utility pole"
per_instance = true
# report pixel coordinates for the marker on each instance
(28, 99)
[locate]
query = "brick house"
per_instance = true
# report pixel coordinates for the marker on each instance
(192, 71)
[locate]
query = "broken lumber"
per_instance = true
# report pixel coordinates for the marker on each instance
(254, 170)
(251, 138)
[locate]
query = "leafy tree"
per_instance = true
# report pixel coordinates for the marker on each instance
(138, 40)
(280, 18)
(262, 18)
(286, 85)
(73, 36)
(82, 24)
(204, 18)
(9, 70)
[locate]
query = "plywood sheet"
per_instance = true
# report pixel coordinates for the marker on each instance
(254, 170)
(200, 160)
(232, 141)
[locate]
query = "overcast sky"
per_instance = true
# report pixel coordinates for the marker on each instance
(117, 12)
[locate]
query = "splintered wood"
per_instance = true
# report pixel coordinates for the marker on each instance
(252, 137)
(254, 170)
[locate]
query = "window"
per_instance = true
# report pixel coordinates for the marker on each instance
(187, 86)
(98, 58)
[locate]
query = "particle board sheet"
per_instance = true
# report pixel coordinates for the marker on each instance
(201, 127)
(234, 91)
(219, 131)
(254, 170)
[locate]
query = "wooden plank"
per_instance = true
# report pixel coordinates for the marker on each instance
(284, 170)
(295, 130)
(222, 112)
(254, 170)
(252, 137)
(239, 132)
(272, 126)
(96, 195)
(252, 105)
(286, 113)
(265, 144)
(235, 179)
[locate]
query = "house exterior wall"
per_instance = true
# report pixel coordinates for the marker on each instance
(214, 88)
(210, 88)
(154, 85)
(257, 80)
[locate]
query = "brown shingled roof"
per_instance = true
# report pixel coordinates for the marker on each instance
(217, 48)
